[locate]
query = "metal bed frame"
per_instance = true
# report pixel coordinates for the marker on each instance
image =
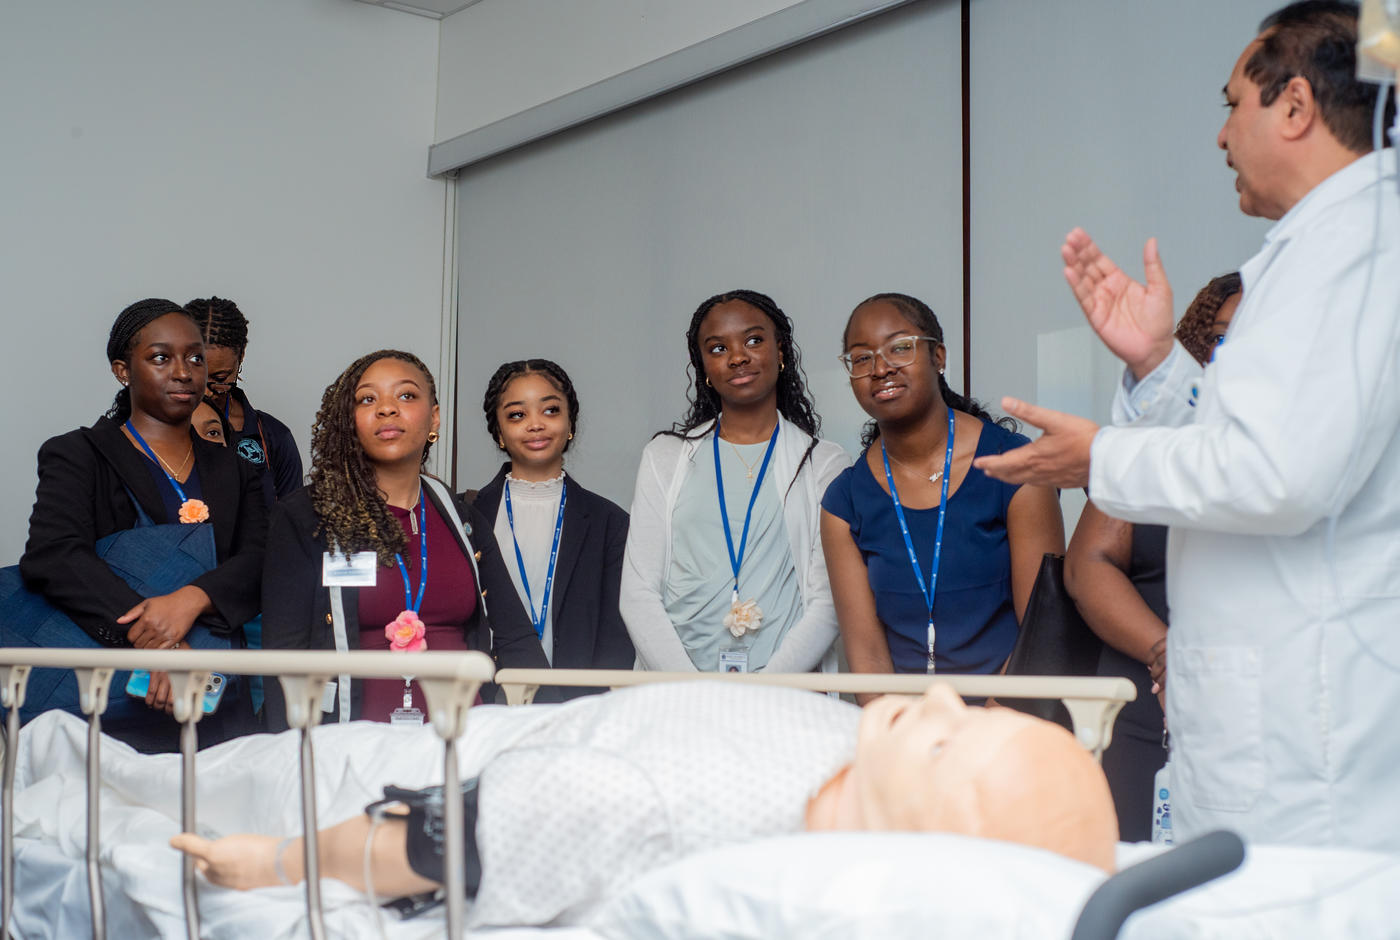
(450, 682)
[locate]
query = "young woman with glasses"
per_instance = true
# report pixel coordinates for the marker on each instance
(723, 569)
(931, 561)
(255, 436)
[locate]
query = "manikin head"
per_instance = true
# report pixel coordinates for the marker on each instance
(935, 764)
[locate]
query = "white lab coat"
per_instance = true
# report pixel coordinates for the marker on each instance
(666, 463)
(1283, 657)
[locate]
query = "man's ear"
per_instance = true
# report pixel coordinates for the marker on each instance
(1297, 107)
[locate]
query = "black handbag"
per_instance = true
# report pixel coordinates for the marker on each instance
(1054, 640)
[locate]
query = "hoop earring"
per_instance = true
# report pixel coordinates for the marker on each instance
(707, 382)
(571, 435)
(782, 366)
(432, 437)
(501, 443)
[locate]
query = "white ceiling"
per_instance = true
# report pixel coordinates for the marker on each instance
(436, 9)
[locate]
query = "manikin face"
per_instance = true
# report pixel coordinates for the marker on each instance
(394, 412)
(934, 764)
(1251, 141)
(533, 417)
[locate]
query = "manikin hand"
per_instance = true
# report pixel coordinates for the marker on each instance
(241, 862)
(1059, 457)
(1135, 322)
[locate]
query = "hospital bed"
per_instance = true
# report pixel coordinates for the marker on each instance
(670, 901)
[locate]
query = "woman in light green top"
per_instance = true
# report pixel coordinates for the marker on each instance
(737, 581)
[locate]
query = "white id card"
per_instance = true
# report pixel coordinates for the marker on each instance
(734, 660)
(357, 570)
(328, 697)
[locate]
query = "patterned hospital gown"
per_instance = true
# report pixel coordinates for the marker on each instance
(610, 787)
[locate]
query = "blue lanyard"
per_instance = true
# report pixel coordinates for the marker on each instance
(179, 490)
(736, 560)
(553, 556)
(409, 603)
(932, 586)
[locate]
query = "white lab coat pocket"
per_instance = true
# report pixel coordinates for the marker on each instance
(1216, 722)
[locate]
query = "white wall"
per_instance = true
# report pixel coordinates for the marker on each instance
(819, 175)
(501, 57)
(271, 151)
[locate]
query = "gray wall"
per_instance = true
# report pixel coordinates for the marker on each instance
(818, 175)
(831, 171)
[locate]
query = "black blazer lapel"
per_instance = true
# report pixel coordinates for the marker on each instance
(571, 539)
(130, 466)
(488, 498)
(219, 476)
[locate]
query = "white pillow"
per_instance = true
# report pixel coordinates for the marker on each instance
(857, 884)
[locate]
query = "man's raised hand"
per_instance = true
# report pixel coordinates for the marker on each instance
(1133, 320)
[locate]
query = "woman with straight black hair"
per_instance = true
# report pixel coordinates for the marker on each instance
(724, 569)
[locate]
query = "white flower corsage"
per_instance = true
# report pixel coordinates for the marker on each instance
(744, 618)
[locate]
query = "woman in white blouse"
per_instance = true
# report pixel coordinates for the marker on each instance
(724, 567)
(561, 543)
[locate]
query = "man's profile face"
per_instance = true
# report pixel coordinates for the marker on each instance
(1251, 142)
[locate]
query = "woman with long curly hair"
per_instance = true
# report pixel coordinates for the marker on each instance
(375, 555)
(724, 569)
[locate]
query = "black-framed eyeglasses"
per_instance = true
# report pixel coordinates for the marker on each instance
(224, 382)
(898, 353)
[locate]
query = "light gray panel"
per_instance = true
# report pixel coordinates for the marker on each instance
(819, 175)
(1101, 114)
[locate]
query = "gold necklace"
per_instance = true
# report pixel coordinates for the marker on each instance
(183, 465)
(747, 466)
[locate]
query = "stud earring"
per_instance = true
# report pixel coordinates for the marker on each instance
(432, 437)
(571, 435)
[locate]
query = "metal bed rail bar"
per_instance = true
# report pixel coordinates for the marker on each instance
(1093, 703)
(449, 682)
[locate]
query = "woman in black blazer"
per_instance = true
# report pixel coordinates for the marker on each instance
(531, 410)
(144, 449)
(368, 498)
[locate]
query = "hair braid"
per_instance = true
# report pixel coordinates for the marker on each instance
(922, 318)
(345, 493)
(122, 339)
(220, 322)
(510, 371)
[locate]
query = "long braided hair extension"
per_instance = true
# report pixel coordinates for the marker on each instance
(221, 323)
(510, 371)
(122, 339)
(1195, 325)
(922, 318)
(353, 514)
(794, 403)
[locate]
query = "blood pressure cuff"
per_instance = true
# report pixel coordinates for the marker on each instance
(426, 845)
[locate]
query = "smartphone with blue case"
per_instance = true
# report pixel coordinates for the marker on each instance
(140, 684)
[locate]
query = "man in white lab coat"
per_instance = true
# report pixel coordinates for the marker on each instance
(1277, 468)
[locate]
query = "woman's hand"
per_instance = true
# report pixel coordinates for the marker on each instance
(1157, 668)
(162, 621)
(159, 695)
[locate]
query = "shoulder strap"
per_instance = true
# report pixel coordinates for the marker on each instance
(449, 505)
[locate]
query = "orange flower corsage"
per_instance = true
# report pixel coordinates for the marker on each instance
(194, 510)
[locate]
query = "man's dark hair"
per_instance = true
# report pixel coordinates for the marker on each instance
(1316, 39)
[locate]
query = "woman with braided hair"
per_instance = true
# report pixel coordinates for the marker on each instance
(142, 463)
(724, 569)
(563, 544)
(255, 436)
(1117, 574)
(375, 555)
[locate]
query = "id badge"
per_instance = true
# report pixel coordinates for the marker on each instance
(406, 718)
(328, 697)
(357, 570)
(734, 660)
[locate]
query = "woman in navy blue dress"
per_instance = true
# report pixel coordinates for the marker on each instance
(931, 561)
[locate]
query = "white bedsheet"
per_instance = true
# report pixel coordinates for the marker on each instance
(140, 811)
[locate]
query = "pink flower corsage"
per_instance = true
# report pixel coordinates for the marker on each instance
(194, 510)
(406, 633)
